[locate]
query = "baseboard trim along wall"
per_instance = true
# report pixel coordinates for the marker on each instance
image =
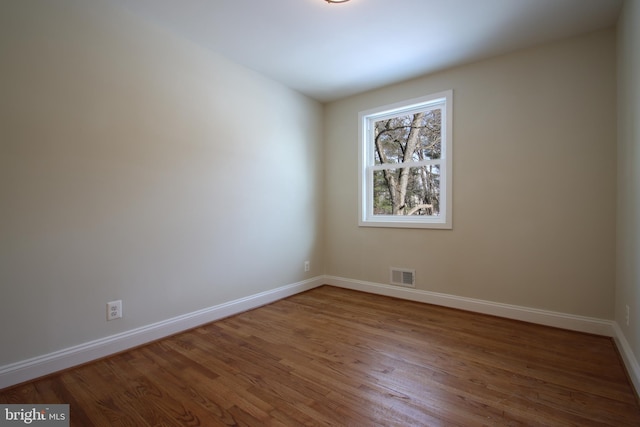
(629, 359)
(30, 369)
(572, 322)
(526, 314)
(36, 367)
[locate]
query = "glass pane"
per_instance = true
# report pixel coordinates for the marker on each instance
(410, 137)
(407, 191)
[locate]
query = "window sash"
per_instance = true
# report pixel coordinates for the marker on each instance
(419, 218)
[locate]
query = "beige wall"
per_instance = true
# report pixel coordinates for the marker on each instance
(628, 218)
(534, 183)
(137, 166)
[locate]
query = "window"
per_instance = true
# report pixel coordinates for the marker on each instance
(406, 164)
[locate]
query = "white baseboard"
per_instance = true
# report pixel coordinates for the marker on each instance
(628, 357)
(533, 315)
(30, 369)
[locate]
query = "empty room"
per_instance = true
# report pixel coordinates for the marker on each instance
(312, 212)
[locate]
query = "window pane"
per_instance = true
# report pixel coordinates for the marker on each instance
(407, 191)
(410, 137)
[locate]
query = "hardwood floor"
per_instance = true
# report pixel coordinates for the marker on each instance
(332, 356)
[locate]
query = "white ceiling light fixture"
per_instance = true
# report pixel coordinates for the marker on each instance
(336, 1)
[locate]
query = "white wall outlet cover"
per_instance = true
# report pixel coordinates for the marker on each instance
(114, 310)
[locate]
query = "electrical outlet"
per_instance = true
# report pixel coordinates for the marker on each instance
(307, 266)
(114, 310)
(627, 315)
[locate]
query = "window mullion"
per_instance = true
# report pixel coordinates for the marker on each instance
(416, 164)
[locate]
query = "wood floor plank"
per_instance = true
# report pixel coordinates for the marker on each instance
(331, 356)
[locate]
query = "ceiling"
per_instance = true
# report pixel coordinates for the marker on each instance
(329, 51)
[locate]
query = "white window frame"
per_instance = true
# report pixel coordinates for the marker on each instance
(366, 164)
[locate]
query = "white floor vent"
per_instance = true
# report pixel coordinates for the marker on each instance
(403, 277)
